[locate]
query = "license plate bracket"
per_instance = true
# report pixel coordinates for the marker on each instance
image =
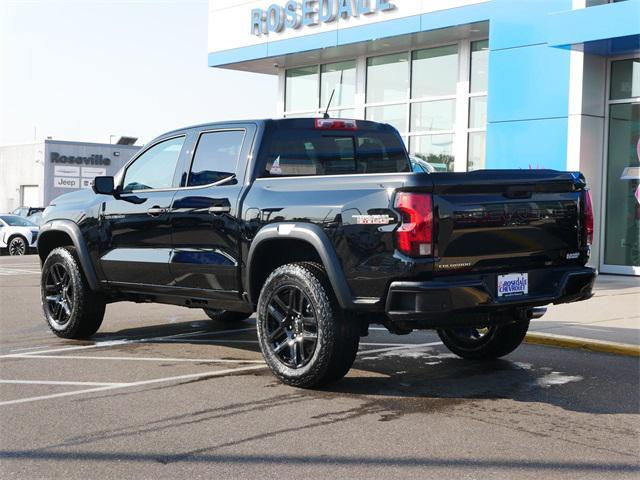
(513, 284)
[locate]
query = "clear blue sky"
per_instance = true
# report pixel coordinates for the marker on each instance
(86, 69)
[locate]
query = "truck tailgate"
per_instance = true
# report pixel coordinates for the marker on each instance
(507, 220)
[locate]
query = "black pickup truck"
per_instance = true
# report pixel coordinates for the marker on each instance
(318, 226)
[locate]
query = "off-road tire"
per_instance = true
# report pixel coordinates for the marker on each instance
(500, 340)
(337, 337)
(86, 311)
(225, 316)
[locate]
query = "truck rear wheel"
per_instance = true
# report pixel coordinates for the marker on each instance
(225, 316)
(71, 308)
(478, 343)
(304, 337)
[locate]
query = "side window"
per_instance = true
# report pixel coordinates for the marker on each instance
(155, 168)
(216, 157)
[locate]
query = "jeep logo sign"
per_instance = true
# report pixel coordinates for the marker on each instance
(92, 160)
(295, 14)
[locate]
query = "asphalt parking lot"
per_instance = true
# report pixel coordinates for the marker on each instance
(163, 392)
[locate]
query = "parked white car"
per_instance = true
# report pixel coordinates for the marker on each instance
(17, 234)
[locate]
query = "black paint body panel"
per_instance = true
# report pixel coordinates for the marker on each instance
(486, 222)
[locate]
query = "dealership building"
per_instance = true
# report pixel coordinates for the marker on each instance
(469, 84)
(34, 174)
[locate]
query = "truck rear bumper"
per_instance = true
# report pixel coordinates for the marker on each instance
(467, 299)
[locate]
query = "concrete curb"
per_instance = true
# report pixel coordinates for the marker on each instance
(583, 343)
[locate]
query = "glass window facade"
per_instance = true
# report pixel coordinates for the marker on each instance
(478, 85)
(435, 115)
(622, 194)
(479, 66)
(478, 112)
(395, 115)
(434, 149)
(434, 72)
(622, 239)
(301, 88)
(388, 78)
(476, 150)
(625, 79)
(339, 79)
(435, 97)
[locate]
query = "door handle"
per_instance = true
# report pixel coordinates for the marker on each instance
(155, 211)
(219, 209)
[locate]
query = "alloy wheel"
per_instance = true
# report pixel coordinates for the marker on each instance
(17, 247)
(291, 327)
(59, 293)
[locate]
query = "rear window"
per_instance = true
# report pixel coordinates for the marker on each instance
(305, 152)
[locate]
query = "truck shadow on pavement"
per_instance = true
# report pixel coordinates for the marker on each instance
(432, 377)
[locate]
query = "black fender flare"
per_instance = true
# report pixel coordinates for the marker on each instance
(318, 239)
(73, 231)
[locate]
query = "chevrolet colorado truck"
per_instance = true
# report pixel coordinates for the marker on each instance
(320, 228)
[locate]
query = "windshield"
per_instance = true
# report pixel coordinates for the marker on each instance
(36, 218)
(15, 221)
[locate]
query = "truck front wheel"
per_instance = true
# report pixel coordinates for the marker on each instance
(488, 343)
(304, 337)
(71, 308)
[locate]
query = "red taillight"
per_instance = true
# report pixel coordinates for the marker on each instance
(414, 236)
(588, 216)
(336, 124)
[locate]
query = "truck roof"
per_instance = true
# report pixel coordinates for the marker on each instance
(308, 122)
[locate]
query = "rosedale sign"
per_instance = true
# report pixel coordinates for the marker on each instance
(296, 14)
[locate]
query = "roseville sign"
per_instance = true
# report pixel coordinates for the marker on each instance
(91, 160)
(295, 14)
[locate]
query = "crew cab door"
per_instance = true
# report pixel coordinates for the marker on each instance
(204, 215)
(136, 222)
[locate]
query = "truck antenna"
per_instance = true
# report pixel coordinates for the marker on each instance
(326, 112)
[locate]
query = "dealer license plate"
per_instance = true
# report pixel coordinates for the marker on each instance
(513, 284)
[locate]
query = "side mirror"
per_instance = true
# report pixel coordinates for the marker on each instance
(103, 185)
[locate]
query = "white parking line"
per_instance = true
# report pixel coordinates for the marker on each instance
(405, 347)
(38, 355)
(140, 359)
(109, 343)
(215, 373)
(50, 382)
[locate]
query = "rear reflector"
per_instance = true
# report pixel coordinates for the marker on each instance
(414, 236)
(335, 124)
(588, 216)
